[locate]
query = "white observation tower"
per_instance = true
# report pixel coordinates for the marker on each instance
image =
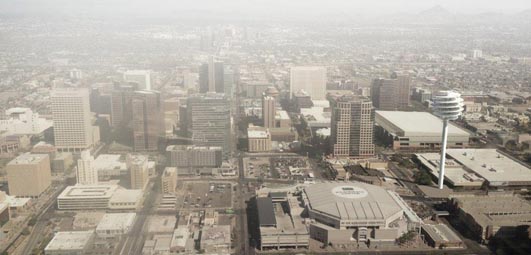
(447, 105)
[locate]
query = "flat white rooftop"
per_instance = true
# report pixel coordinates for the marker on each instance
(316, 115)
(283, 115)
(68, 241)
(108, 161)
(116, 222)
(455, 173)
(28, 158)
(161, 224)
(191, 148)
(180, 236)
(17, 201)
(257, 134)
(415, 124)
(496, 168)
(126, 196)
(88, 191)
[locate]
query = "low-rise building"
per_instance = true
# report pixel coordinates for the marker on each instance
(216, 239)
(110, 231)
(416, 131)
(169, 180)
(159, 224)
(278, 227)
(493, 215)
(70, 243)
(473, 168)
(115, 224)
(259, 139)
(441, 236)
(99, 197)
(126, 199)
(179, 240)
(110, 165)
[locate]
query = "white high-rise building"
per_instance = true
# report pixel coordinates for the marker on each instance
(477, 54)
(138, 168)
(73, 129)
(76, 74)
(311, 79)
(86, 173)
(142, 77)
(268, 111)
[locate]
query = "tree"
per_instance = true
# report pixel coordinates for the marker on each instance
(422, 178)
(407, 237)
(25, 231)
(527, 157)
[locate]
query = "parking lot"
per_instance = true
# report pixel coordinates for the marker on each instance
(207, 195)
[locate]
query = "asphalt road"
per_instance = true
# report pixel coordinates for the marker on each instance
(37, 233)
(135, 239)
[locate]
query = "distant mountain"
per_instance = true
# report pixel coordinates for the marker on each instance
(436, 11)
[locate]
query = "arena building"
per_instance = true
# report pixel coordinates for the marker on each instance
(351, 212)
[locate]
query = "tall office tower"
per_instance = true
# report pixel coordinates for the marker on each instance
(29, 175)
(141, 77)
(391, 94)
(100, 100)
(219, 77)
(86, 174)
(121, 97)
(211, 76)
(228, 82)
(73, 129)
(203, 78)
(403, 82)
(147, 120)
(138, 169)
(208, 120)
(311, 79)
(268, 111)
(352, 127)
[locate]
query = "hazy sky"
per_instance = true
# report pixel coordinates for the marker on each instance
(295, 6)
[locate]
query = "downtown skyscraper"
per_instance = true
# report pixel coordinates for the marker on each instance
(208, 120)
(212, 76)
(147, 119)
(72, 122)
(391, 94)
(352, 127)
